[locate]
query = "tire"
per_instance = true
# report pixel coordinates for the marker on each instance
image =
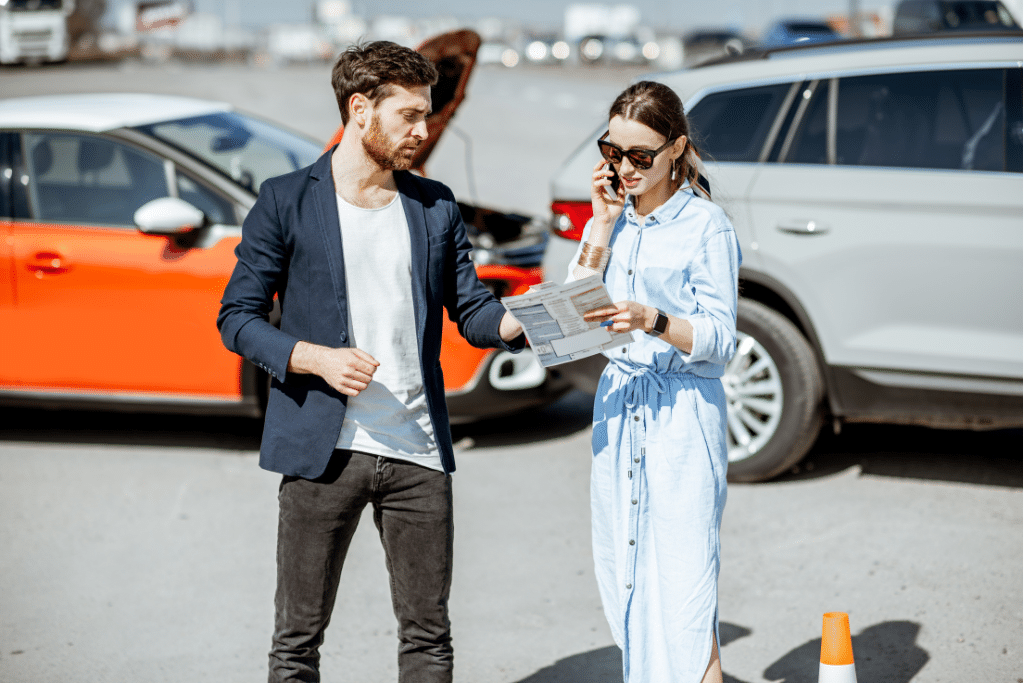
(774, 392)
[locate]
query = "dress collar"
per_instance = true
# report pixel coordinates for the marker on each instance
(663, 213)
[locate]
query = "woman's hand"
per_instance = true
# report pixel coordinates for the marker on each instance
(606, 210)
(624, 316)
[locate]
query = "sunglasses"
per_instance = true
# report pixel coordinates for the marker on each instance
(641, 159)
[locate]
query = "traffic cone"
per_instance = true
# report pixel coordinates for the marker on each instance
(836, 650)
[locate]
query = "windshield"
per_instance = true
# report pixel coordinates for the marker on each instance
(244, 149)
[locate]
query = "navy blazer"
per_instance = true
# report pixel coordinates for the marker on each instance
(291, 247)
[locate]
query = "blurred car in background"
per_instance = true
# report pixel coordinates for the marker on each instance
(494, 53)
(797, 32)
(931, 16)
(875, 187)
(119, 215)
(699, 46)
(546, 49)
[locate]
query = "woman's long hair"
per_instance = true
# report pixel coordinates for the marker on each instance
(659, 108)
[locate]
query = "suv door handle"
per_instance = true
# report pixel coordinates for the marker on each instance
(48, 262)
(803, 227)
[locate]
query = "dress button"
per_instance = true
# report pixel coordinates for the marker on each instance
(630, 272)
(636, 418)
(632, 542)
(636, 459)
(628, 586)
(344, 336)
(634, 501)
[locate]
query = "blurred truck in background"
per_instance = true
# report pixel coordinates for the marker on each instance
(34, 31)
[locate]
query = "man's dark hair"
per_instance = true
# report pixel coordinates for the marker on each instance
(373, 69)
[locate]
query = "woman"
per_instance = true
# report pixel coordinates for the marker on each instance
(670, 259)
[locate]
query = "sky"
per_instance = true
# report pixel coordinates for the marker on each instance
(678, 15)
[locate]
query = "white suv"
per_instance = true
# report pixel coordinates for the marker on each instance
(876, 190)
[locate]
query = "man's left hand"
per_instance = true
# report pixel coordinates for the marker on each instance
(510, 328)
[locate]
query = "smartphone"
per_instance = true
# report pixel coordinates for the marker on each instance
(612, 190)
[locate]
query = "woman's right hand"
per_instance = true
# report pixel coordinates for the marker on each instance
(606, 210)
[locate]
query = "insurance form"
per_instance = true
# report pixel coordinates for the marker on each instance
(552, 317)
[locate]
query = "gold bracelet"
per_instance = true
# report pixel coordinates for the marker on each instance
(594, 257)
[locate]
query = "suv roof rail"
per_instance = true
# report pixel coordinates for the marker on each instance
(756, 53)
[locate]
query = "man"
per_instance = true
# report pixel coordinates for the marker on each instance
(362, 256)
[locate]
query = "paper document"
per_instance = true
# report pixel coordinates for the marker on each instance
(552, 316)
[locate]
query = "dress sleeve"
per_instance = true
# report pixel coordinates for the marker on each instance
(714, 277)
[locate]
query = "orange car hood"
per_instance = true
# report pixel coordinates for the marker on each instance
(454, 55)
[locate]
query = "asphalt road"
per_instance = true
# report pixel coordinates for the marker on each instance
(142, 547)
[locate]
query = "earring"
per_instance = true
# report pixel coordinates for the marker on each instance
(673, 171)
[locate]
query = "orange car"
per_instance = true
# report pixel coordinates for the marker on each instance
(119, 215)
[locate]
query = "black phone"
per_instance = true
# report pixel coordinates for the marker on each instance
(612, 190)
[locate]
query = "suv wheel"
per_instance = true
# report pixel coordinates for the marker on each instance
(774, 393)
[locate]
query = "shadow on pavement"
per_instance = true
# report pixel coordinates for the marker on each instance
(564, 417)
(990, 458)
(884, 652)
(605, 665)
(136, 429)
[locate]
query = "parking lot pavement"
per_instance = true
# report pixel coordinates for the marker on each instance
(142, 548)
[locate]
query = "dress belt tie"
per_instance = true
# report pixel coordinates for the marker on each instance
(639, 385)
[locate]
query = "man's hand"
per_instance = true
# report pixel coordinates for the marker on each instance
(347, 370)
(510, 328)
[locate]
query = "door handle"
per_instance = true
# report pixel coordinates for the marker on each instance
(803, 227)
(48, 263)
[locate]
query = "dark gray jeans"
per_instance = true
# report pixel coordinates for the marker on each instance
(412, 508)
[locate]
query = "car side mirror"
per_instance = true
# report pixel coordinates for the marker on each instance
(168, 216)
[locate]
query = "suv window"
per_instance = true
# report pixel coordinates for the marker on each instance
(88, 179)
(733, 125)
(810, 144)
(939, 119)
(1014, 134)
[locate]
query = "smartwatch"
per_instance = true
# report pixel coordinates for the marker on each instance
(660, 323)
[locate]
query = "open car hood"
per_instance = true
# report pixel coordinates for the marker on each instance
(454, 55)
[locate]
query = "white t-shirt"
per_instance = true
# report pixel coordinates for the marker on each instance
(390, 416)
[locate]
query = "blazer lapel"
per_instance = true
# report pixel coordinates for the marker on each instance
(325, 199)
(415, 216)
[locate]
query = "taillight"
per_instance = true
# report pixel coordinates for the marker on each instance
(569, 218)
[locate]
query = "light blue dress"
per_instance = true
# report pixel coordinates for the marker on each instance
(658, 477)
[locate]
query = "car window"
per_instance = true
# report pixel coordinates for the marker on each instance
(217, 209)
(1014, 132)
(89, 179)
(733, 125)
(6, 175)
(810, 144)
(244, 149)
(939, 119)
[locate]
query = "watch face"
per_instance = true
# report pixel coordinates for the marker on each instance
(660, 323)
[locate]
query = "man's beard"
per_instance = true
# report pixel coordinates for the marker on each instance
(378, 147)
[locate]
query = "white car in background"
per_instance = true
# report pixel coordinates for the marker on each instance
(876, 190)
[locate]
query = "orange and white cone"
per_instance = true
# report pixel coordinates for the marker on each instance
(836, 650)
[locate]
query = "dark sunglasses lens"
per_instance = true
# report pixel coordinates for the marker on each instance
(609, 152)
(642, 160)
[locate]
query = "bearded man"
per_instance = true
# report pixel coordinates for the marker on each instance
(362, 256)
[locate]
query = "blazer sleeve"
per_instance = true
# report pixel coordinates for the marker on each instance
(260, 273)
(469, 304)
